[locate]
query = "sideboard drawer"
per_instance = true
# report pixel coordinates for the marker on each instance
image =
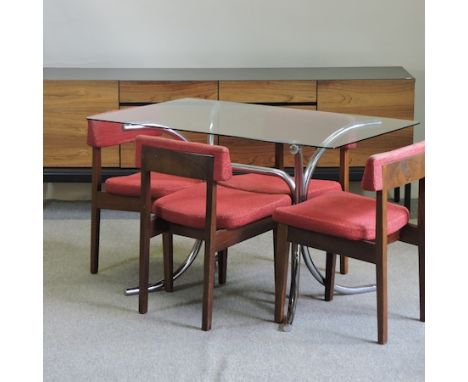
(160, 91)
(268, 91)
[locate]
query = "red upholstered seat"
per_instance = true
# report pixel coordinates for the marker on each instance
(341, 214)
(234, 208)
(161, 184)
(269, 184)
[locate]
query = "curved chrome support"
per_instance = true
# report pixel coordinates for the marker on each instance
(211, 139)
(338, 288)
(326, 142)
(176, 134)
(295, 248)
(294, 288)
(185, 265)
(247, 168)
(300, 192)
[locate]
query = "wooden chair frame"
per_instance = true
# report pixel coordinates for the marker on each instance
(104, 200)
(394, 175)
(197, 166)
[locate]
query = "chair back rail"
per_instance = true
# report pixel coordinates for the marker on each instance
(188, 165)
(222, 169)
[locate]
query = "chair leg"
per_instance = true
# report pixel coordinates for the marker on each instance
(208, 286)
(396, 194)
(408, 196)
(422, 281)
(222, 266)
(168, 261)
(95, 228)
(421, 249)
(330, 276)
(281, 270)
(144, 266)
(382, 303)
(344, 265)
(275, 250)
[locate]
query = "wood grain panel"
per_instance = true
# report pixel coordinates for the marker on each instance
(383, 98)
(268, 91)
(160, 91)
(249, 151)
(66, 106)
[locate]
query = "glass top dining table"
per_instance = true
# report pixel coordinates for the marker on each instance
(259, 122)
(295, 127)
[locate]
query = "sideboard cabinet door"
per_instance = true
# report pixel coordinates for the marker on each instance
(66, 106)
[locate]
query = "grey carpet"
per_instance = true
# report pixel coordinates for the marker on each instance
(92, 332)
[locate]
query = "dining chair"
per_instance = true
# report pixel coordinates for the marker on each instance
(357, 226)
(220, 216)
(121, 192)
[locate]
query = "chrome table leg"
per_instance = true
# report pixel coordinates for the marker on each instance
(181, 270)
(338, 288)
(294, 288)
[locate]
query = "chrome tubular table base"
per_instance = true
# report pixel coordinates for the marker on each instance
(338, 288)
(181, 270)
(302, 180)
(294, 288)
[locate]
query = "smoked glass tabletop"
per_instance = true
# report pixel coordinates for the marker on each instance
(258, 122)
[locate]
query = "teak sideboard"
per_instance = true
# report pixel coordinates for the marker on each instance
(70, 95)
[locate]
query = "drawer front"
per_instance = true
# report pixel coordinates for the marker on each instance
(268, 91)
(383, 98)
(66, 106)
(160, 91)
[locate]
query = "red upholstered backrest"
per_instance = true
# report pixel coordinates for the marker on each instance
(372, 178)
(350, 146)
(103, 133)
(222, 160)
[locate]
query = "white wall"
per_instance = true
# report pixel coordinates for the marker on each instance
(237, 33)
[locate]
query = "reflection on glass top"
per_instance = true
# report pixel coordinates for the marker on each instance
(263, 123)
